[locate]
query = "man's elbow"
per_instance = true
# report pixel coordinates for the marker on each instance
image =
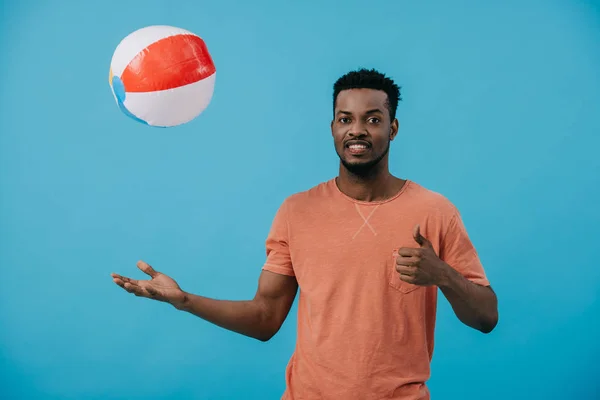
(489, 320)
(265, 336)
(268, 331)
(488, 324)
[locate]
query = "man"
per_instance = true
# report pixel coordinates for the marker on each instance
(368, 251)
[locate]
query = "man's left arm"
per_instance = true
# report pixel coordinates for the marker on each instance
(457, 272)
(475, 305)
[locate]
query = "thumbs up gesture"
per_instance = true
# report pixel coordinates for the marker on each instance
(420, 265)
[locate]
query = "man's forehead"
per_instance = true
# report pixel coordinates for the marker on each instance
(361, 100)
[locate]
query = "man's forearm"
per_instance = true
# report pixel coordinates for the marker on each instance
(473, 304)
(244, 317)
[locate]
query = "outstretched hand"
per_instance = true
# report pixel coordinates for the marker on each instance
(159, 287)
(420, 266)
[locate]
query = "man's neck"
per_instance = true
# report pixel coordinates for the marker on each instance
(374, 186)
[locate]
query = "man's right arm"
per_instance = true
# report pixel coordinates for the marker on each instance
(259, 318)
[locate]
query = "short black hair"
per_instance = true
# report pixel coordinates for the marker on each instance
(369, 79)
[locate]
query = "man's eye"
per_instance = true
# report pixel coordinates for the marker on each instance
(374, 120)
(344, 120)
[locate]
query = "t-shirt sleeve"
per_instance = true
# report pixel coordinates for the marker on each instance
(458, 251)
(277, 244)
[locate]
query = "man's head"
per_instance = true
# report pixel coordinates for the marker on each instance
(364, 118)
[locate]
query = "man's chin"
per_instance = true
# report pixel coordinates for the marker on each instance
(361, 167)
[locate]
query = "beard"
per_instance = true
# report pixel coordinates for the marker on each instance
(364, 168)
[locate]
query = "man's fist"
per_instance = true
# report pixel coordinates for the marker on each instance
(420, 265)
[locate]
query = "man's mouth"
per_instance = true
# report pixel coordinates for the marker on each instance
(358, 146)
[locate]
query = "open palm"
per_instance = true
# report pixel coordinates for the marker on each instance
(159, 287)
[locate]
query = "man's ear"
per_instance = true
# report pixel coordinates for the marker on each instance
(394, 129)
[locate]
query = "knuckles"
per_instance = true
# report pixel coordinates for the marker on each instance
(408, 278)
(412, 252)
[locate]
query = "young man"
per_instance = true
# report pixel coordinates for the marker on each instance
(368, 251)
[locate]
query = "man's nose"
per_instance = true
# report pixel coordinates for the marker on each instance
(357, 129)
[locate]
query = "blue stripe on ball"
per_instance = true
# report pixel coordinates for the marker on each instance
(119, 91)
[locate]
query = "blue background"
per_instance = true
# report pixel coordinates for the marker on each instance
(500, 114)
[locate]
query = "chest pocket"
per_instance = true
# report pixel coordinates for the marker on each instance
(394, 277)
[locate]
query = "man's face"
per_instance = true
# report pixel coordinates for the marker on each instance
(362, 129)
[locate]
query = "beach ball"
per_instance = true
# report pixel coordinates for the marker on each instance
(162, 76)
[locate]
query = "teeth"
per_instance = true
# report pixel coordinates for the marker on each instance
(358, 146)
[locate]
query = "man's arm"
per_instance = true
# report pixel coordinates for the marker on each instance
(260, 318)
(474, 305)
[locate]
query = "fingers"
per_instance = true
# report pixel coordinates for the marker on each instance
(123, 279)
(407, 266)
(139, 288)
(409, 252)
(417, 234)
(130, 285)
(406, 270)
(147, 268)
(408, 261)
(133, 289)
(420, 239)
(119, 281)
(408, 278)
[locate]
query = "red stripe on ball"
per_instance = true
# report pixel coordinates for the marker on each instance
(168, 63)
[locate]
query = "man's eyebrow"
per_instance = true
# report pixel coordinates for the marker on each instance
(372, 111)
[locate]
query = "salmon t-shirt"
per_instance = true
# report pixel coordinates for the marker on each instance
(362, 332)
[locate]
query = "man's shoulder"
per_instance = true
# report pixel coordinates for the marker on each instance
(430, 199)
(315, 193)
